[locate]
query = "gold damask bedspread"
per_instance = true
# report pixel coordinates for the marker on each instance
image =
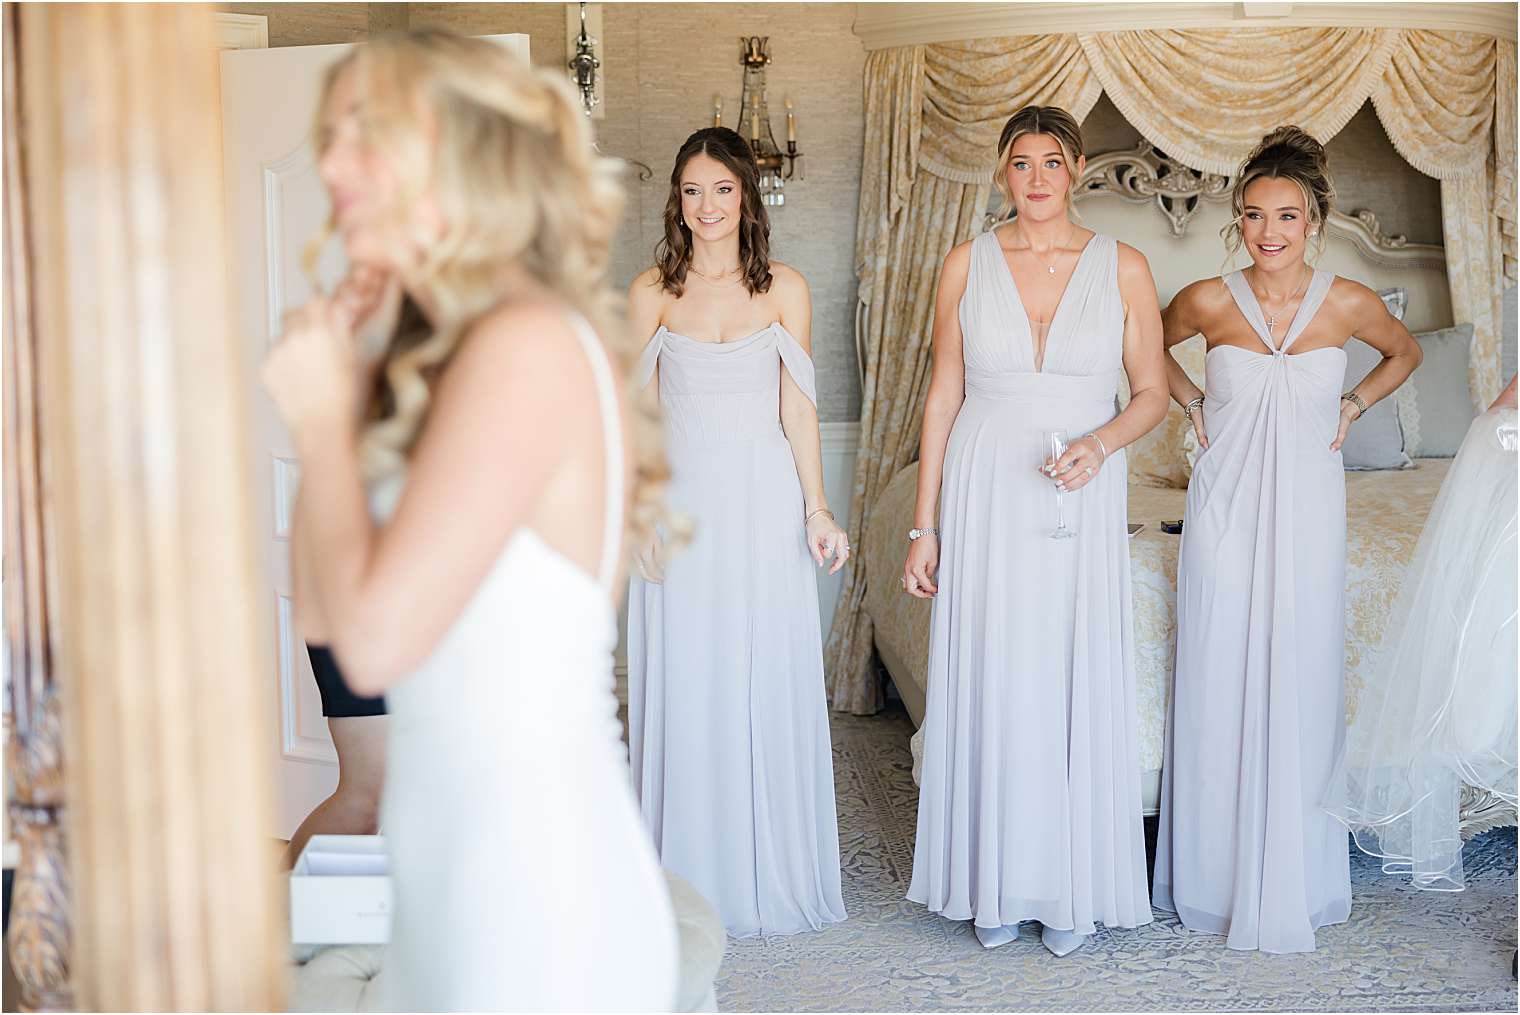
(1384, 514)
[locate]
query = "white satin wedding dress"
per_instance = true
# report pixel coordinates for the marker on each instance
(523, 877)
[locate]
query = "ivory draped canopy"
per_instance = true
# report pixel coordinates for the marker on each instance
(1205, 97)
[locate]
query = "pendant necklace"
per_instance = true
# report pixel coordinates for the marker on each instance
(1272, 318)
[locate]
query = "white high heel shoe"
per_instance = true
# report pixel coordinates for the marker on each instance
(996, 937)
(1061, 942)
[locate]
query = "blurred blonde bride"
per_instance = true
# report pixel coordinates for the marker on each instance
(464, 543)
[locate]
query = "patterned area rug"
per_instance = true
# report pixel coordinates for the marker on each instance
(1402, 950)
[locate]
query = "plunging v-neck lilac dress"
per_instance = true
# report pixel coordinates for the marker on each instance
(1029, 806)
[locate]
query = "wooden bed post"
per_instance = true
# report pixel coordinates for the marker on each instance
(153, 609)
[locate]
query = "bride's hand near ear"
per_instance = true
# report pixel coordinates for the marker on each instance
(649, 561)
(314, 374)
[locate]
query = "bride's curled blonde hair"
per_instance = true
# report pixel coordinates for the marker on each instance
(508, 156)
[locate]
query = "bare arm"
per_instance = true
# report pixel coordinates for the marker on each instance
(377, 320)
(390, 593)
(1372, 323)
(799, 416)
(1180, 321)
(308, 617)
(1147, 377)
(942, 404)
(799, 421)
(646, 305)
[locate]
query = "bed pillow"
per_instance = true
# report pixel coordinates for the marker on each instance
(1375, 441)
(1158, 457)
(1435, 405)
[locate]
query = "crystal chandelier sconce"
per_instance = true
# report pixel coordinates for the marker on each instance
(583, 66)
(754, 122)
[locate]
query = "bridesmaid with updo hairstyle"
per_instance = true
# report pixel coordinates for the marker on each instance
(1258, 711)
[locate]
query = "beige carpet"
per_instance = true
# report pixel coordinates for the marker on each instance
(1402, 949)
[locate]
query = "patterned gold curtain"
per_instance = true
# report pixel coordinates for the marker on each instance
(933, 112)
(1447, 102)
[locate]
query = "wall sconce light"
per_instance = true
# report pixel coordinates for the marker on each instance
(584, 63)
(754, 122)
(583, 26)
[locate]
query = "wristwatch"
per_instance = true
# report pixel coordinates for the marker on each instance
(915, 533)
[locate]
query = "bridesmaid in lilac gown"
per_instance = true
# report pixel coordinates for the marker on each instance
(1258, 711)
(728, 726)
(1029, 807)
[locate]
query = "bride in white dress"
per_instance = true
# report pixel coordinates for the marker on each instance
(476, 587)
(1440, 709)
(1257, 710)
(728, 728)
(1029, 807)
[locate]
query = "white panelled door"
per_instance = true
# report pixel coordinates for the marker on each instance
(276, 204)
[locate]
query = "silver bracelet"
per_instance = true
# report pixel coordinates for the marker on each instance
(1356, 400)
(1100, 445)
(819, 511)
(1187, 410)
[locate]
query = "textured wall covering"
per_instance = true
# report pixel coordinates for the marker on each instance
(312, 24)
(1370, 174)
(663, 63)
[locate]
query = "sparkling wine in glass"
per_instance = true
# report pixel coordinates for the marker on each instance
(1054, 448)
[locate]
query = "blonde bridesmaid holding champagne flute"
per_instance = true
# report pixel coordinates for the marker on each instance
(1029, 807)
(1258, 711)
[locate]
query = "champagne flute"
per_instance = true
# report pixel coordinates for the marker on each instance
(1055, 446)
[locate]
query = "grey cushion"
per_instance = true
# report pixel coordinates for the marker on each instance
(1375, 441)
(1507, 336)
(1395, 299)
(1435, 405)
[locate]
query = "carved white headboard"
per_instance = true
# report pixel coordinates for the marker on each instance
(1173, 215)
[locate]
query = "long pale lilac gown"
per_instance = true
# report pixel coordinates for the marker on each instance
(727, 722)
(1258, 709)
(1029, 806)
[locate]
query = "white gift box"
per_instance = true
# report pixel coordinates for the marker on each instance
(340, 891)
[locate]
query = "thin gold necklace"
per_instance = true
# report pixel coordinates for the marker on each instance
(722, 274)
(1057, 249)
